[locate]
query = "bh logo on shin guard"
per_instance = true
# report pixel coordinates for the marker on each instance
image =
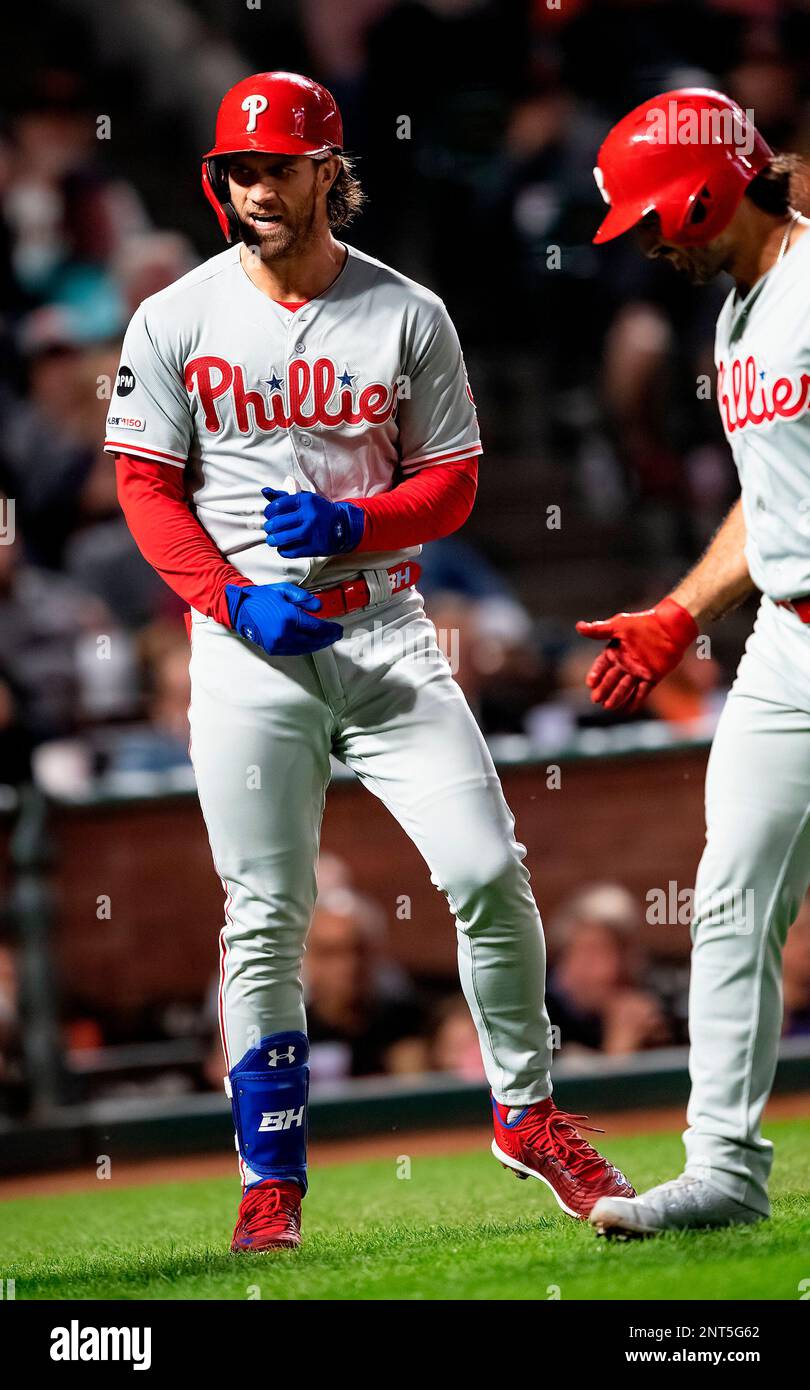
(281, 1119)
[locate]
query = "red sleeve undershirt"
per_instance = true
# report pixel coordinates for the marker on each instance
(169, 536)
(424, 507)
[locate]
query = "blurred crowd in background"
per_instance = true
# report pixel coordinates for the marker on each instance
(476, 125)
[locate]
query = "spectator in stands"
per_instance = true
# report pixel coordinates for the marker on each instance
(483, 629)
(148, 262)
(46, 421)
(363, 1015)
(596, 993)
(67, 215)
(454, 1047)
(170, 689)
(160, 742)
(43, 620)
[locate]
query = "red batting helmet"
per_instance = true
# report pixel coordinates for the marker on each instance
(270, 113)
(687, 155)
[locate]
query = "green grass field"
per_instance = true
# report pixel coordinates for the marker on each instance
(458, 1228)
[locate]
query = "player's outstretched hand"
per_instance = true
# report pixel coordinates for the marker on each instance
(304, 523)
(280, 618)
(641, 649)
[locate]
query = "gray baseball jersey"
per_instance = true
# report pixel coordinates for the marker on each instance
(363, 384)
(762, 351)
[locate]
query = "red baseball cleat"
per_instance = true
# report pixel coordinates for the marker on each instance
(269, 1217)
(542, 1142)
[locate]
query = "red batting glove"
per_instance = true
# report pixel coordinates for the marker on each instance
(642, 649)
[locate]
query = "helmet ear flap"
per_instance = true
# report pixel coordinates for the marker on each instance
(218, 171)
(215, 188)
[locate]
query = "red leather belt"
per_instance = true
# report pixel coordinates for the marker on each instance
(355, 593)
(799, 606)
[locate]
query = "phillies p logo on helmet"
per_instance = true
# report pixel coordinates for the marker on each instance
(255, 104)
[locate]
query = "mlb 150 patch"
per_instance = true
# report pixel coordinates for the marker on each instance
(127, 422)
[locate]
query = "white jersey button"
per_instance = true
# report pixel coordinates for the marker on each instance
(300, 347)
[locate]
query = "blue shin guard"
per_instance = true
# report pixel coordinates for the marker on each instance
(268, 1090)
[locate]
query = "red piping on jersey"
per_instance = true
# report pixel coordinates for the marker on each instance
(446, 456)
(138, 449)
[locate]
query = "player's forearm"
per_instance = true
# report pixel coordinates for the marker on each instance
(425, 507)
(170, 537)
(720, 580)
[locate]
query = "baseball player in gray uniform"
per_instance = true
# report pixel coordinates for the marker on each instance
(291, 421)
(695, 178)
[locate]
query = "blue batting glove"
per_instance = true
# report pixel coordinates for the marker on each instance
(280, 618)
(304, 523)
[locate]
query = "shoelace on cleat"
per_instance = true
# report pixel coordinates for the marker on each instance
(557, 1131)
(260, 1205)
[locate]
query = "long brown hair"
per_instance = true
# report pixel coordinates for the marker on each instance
(780, 186)
(345, 198)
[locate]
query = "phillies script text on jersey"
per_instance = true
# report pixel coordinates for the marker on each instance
(746, 396)
(214, 379)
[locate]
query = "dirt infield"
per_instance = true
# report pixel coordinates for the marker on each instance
(414, 1144)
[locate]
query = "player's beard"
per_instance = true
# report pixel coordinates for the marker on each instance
(283, 239)
(701, 264)
(703, 271)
